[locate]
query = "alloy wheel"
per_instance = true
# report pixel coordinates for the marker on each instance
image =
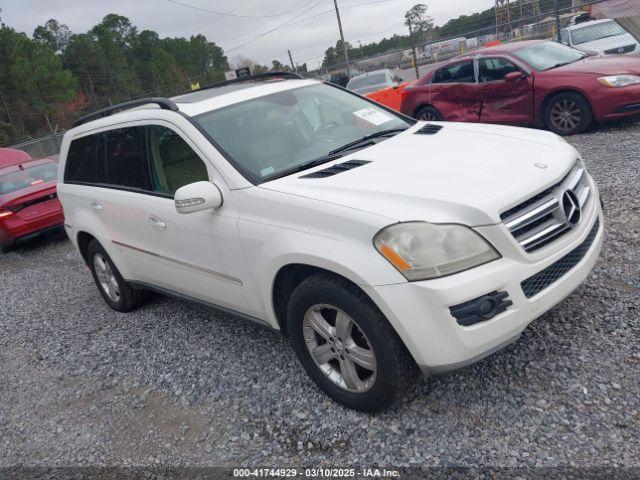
(565, 114)
(106, 277)
(339, 348)
(428, 116)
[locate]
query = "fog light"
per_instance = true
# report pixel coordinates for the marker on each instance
(481, 308)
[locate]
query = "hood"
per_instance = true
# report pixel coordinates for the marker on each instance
(465, 173)
(602, 65)
(608, 43)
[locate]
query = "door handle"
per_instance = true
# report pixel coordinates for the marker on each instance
(156, 222)
(96, 206)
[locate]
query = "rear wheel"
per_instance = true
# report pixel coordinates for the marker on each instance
(568, 113)
(346, 345)
(429, 114)
(117, 292)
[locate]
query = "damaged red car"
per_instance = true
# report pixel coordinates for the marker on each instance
(540, 83)
(29, 204)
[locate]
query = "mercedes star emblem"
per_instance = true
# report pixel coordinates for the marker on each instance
(571, 208)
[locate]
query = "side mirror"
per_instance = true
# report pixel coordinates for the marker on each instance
(197, 197)
(513, 76)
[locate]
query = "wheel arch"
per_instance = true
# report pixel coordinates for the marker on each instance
(83, 239)
(288, 277)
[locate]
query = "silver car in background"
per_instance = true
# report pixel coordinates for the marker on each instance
(601, 36)
(373, 81)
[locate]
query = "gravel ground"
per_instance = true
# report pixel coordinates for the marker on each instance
(174, 384)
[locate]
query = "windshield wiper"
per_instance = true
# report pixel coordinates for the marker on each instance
(364, 141)
(304, 166)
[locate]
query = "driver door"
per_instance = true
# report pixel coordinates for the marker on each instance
(502, 101)
(197, 254)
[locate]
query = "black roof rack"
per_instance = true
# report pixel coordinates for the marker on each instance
(164, 104)
(253, 78)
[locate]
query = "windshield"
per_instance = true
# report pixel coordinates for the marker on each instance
(20, 177)
(546, 55)
(279, 132)
(596, 31)
(368, 80)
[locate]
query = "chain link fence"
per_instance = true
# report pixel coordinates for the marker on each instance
(567, 25)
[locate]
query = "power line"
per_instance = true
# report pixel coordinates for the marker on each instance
(276, 28)
(229, 14)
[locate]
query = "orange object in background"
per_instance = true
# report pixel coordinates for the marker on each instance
(493, 43)
(390, 97)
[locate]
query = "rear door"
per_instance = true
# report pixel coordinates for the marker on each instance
(502, 101)
(453, 91)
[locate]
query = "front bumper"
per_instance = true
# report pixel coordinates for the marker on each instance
(615, 103)
(420, 313)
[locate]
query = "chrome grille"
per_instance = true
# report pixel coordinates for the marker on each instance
(625, 49)
(541, 219)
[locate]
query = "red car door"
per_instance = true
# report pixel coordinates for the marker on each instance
(453, 91)
(504, 100)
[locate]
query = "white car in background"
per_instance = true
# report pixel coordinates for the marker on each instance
(377, 244)
(373, 81)
(601, 36)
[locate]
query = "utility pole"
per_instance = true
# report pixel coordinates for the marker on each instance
(557, 12)
(413, 49)
(293, 69)
(344, 44)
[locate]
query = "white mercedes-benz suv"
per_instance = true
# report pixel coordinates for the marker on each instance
(379, 245)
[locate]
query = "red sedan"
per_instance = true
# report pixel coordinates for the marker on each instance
(29, 204)
(528, 83)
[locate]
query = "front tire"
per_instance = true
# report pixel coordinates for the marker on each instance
(568, 113)
(346, 345)
(115, 290)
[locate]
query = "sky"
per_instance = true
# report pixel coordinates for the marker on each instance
(261, 30)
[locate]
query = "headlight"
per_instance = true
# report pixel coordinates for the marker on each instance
(422, 250)
(619, 80)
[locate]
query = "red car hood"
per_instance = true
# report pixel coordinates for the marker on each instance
(602, 65)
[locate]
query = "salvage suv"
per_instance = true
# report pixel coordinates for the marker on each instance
(379, 245)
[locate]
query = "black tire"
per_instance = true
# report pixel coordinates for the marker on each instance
(568, 113)
(430, 114)
(128, 297)
(395, 368)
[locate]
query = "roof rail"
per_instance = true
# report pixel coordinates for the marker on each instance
(260, 76)
(164, 104)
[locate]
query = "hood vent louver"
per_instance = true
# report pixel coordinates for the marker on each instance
(335, 169)
(429, 129)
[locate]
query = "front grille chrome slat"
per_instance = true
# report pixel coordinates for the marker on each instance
(574, 178)
(541, 218)
(543, 234)
(533, 213)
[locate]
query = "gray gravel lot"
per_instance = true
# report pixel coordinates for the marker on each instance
(174, 384)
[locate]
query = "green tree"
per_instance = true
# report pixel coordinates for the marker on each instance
(53, 34)
(419, 23)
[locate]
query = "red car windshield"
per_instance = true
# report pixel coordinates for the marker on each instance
(20, 177)
(547, 55)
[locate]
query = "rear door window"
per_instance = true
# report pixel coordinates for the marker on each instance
(125, 159)
(458, 73)
(83, 165)
(173, 162)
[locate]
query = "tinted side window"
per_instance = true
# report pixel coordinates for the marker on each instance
(458, 73)
(82, 161)
(125, 160)
(174, 164)
(492, 69)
